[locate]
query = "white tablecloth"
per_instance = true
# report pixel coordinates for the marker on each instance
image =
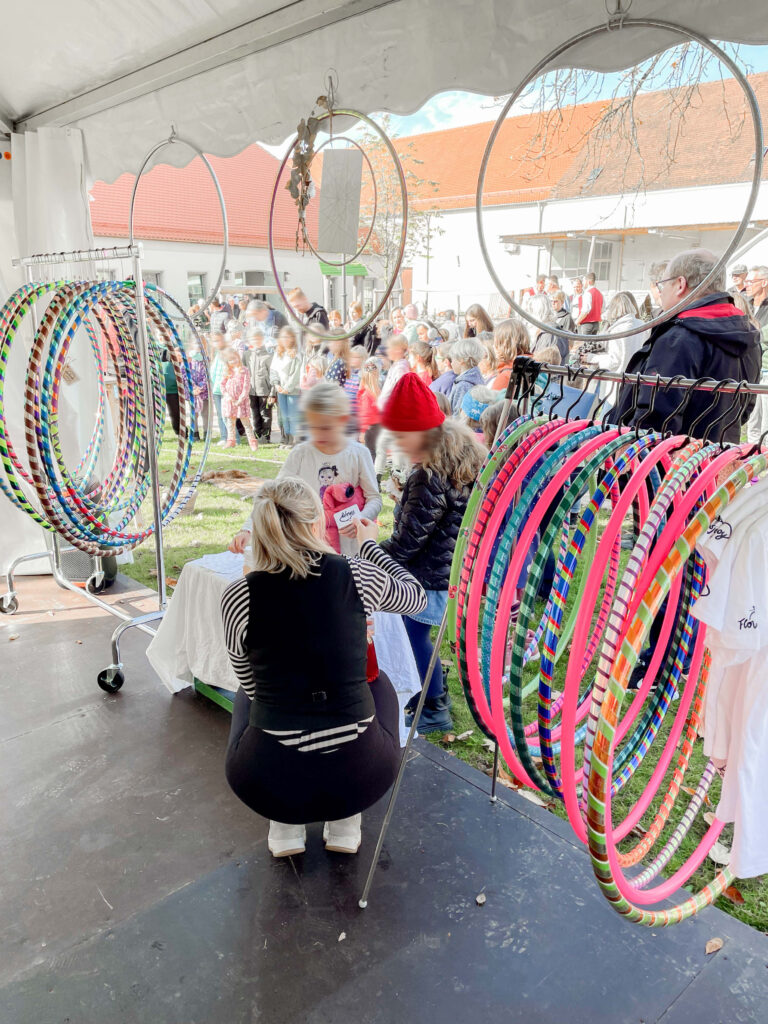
(190, 639)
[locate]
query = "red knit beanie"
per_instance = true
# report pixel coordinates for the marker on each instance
(411, 406)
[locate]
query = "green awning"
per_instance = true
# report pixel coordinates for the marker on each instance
(353, 270)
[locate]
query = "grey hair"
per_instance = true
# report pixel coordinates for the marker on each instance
(540, 306)
(694, 265)
(656, 270)
(257, 304)
(762, 271)
(622, 304)
(325, 399)
(467, 351)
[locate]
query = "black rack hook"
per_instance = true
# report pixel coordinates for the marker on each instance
(627, 414)
(588, 378)
(552, 414)
(683, 404)
(607, 413)
(718, 394)
(651, 406)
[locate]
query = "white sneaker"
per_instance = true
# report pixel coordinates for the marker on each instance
(343, 836)
(286, 840)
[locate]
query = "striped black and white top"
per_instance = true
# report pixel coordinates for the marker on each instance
(383, 586)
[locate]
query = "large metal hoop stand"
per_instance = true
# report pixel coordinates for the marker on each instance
(329, 115)
(112, 678)
(172, 140)
(626, 22)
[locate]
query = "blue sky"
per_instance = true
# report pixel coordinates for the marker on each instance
(454, 109)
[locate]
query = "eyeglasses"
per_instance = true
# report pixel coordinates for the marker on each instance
(664, 280)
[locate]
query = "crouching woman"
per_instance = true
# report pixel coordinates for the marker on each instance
(315, 726)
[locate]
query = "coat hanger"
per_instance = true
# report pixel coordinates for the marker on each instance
(651, 406)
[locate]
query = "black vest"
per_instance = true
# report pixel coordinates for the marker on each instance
(307, 647)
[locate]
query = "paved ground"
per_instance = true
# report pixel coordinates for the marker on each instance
(137, 889)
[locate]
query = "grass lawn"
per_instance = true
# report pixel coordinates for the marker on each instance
(217, 516)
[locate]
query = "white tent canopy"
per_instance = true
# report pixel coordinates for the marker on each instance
(231, 72)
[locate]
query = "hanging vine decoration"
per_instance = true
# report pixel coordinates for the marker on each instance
(300, 183)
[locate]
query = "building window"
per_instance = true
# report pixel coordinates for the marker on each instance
(154, 277)
(570, 259)
(196, 288)
(105, 274)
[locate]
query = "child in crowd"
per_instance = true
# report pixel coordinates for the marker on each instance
(510, 339)
(421, 356)
(235, 337)
(314, 364)
(368, 412)
(328, 457)
(474, 404)
(218, 347)
(334, 319)
(397, 352)
(489, 420)
(338, 371)
(284, 375)
(235, 405)
(443, 403)
(446, 460)
(465, 356)
(487, 365)
(199, 388)
(444, 382)
(258, 359)
(357, 356)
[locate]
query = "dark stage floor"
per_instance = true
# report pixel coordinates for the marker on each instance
(135, 888)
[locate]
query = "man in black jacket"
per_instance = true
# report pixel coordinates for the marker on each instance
(709, 338)
(311, 314)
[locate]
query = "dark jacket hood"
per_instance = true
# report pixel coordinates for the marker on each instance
(717, 318)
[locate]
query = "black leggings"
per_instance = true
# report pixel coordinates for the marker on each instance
(286, 785)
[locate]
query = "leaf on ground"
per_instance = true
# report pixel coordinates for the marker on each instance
(489, 744)
(171, 581)
(638, 832)
(508, 780)
(709, 817)
(342, 936)
(719, 854)
(465, 735)
(534, 798)
(78, 641)
(449, 737)
(480, 899)
(688, 790)
(713, 945)
(13, 636)
(733, 894)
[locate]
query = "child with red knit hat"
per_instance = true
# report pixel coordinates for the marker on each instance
(446, 459)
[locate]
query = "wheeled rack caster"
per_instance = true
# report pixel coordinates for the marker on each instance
(111, 678)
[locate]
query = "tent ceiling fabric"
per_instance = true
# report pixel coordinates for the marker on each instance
(389, 54)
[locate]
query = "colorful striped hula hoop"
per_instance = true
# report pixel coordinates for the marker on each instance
(93, 509)
(630, 897)
(565, 489)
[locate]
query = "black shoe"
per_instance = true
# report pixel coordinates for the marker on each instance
(435, 715)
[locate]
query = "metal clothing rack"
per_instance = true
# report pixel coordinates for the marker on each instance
(725, 387)
(526, 366)
(111, 678)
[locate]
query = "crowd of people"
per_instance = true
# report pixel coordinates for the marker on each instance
(410, 405)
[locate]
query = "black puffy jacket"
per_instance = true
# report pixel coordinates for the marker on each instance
(426, 527)
(711, 338)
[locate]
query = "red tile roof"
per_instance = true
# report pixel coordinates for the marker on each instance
(531, 160)
(180, 204)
